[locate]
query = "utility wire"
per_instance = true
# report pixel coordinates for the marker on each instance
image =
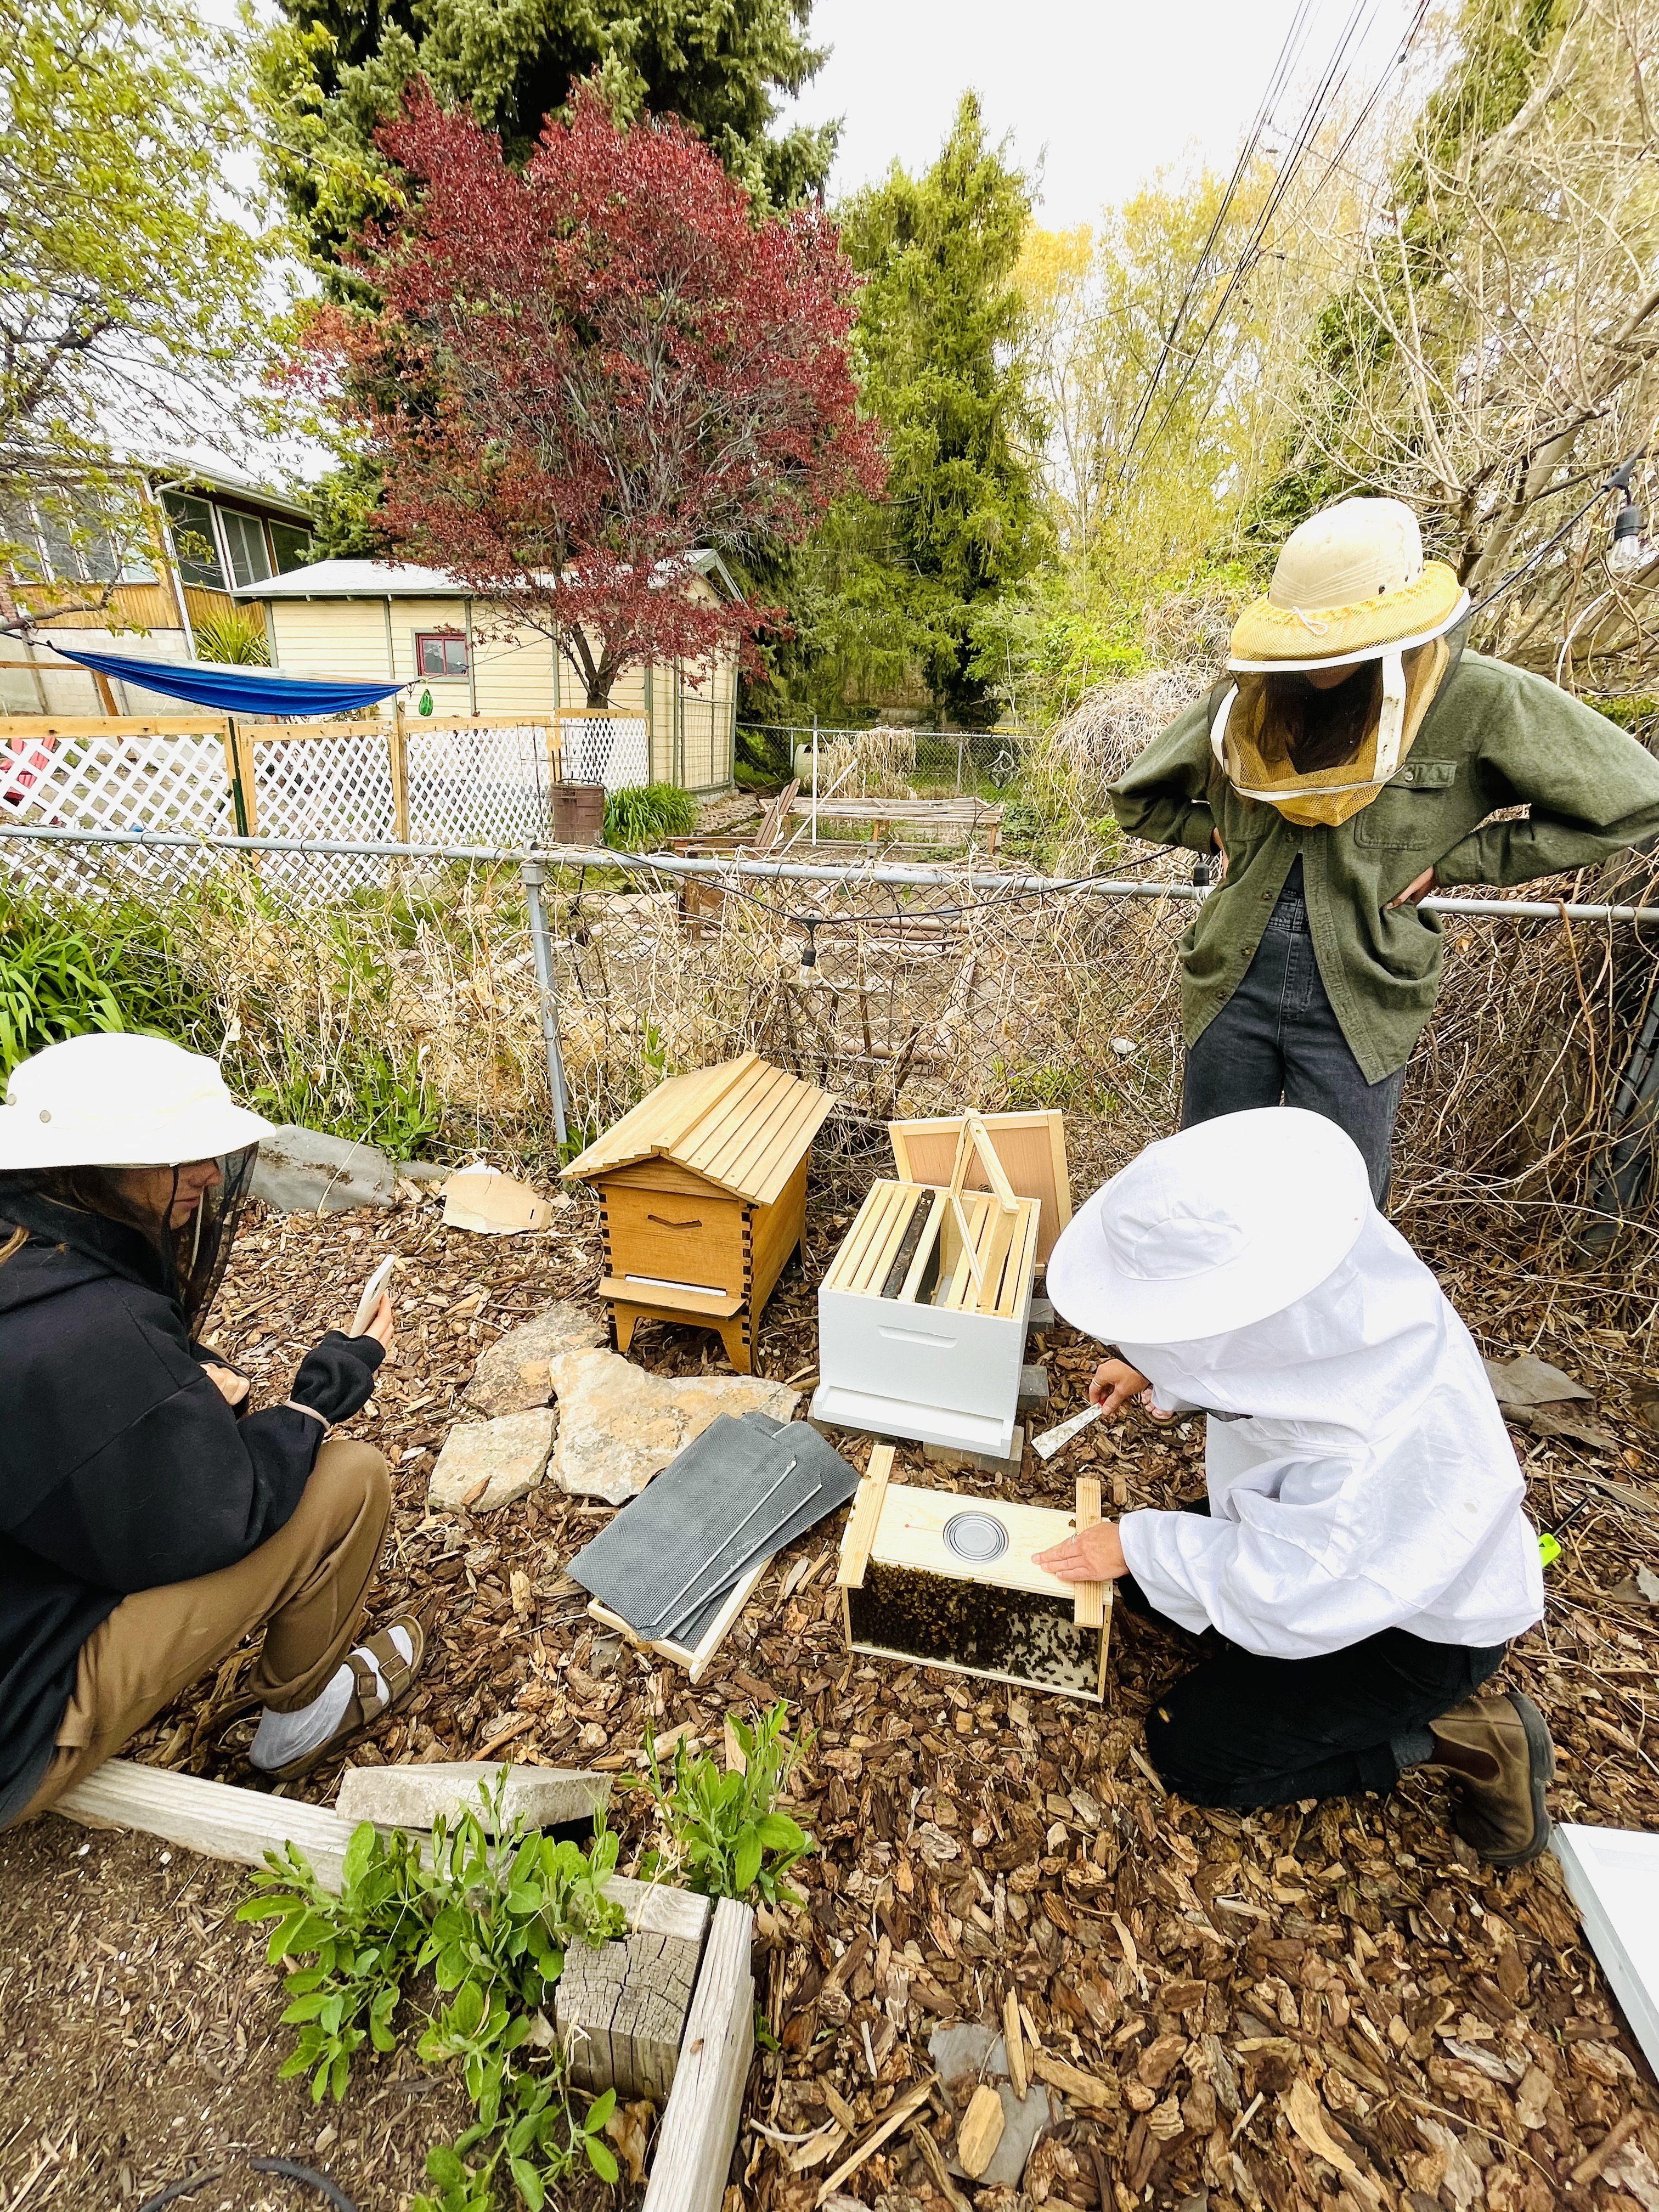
(1289, 54)
(1319, 104)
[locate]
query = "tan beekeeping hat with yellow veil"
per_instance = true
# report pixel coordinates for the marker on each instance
(1350, 585)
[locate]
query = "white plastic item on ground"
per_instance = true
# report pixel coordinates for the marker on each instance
(1613, 1877)
(492, 1204)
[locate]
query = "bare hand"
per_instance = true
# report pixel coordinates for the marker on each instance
(1221, 872)
(1115, 1382)
(233, 1388)
(1419, 887)
(1092, 1555)
(381, 1326)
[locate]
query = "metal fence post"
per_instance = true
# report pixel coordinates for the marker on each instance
(534, 875)
(815, 778)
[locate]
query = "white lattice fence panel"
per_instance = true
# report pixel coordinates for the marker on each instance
(113, 782)
(334, 787)
(614, 750)
(478, 787)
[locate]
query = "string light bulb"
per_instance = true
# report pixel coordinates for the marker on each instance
(1630, 550)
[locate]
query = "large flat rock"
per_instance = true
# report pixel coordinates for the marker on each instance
(414, 1797)
(513, 1375)
(619, 1426)
(507, 1457)
(307, 1171)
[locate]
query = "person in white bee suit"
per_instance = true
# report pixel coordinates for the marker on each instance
(1363, 1557)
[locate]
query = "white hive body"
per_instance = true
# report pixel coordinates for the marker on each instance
(923, 1317)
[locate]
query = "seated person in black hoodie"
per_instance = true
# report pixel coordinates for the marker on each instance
(149, 1520)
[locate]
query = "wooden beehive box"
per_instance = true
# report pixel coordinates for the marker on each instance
(923, 1316)
(703, 1186)
(948, 1579)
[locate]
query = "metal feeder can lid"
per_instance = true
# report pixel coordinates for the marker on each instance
(980, 1537)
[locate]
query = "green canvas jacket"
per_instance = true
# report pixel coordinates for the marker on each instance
(1496, 737)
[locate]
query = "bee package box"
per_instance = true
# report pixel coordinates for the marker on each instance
(703, 1186)
(949, 1580)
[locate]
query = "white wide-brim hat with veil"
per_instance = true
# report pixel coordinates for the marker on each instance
(114, 1099)
(1213, 1229)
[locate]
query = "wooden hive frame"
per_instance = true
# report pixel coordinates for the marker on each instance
(906, 1595)
(922, 1315)
(1029, 1148)
(703, 1191)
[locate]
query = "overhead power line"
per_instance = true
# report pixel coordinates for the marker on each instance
(1289, 54)
(1321, 100)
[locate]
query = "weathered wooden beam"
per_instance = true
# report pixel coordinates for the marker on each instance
(222, 1822)
(700, 2125)
(620, 2010)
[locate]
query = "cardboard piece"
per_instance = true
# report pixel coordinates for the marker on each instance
(491, 1204)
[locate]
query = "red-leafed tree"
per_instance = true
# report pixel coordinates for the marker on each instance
(577, 374)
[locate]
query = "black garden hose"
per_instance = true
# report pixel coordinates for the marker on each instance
(289, 2168)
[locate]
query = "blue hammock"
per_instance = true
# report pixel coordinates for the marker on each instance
(236, 690)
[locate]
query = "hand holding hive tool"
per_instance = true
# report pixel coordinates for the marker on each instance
(1052, 1440)
(1114, 1383)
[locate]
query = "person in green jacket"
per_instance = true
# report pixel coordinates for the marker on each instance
(1350, 764)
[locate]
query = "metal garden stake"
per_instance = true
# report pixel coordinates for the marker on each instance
(534, 875)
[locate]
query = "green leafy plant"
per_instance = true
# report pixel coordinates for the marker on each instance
(71, 971)
(236, 635)
(724, 1828)
(642, 816)
(489, 1918)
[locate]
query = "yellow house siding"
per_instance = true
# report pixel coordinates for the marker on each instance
(331, 637)
(515, 671)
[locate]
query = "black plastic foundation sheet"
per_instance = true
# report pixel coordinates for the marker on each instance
(736, 1495)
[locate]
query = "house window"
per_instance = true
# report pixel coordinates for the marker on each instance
(291, 545)
(194, 543)
(440, 653)
(245, 538)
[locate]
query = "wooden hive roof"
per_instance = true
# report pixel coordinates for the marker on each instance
(744, 1125)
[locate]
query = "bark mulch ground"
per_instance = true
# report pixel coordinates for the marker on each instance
(1321, 2006)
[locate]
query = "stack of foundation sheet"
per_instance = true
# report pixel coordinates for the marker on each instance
(737, 1493)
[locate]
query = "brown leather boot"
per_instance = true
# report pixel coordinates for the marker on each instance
(1499, 1751)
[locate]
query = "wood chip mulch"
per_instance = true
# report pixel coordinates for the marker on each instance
(1321, 2006)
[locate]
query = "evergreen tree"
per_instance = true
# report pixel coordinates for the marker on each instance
(332, 71)
(895, 585)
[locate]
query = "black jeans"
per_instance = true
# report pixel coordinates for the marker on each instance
(1278, 1038)
(1240, 1730)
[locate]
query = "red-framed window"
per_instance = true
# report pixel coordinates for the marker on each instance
(440, 653)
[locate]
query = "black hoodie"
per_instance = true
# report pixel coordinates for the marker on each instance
(121, 1466)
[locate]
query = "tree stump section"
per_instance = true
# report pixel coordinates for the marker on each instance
(620, 2011)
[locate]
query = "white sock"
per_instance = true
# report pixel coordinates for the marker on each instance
(285, 1736)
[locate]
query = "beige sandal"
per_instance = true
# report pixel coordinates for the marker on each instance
(382, 1679)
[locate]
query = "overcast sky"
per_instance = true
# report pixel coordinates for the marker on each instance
(1105, 91)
